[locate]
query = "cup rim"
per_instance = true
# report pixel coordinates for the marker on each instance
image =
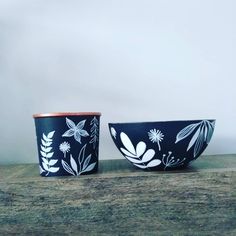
(60, 114)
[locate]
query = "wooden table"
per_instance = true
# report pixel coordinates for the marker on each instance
(121, 200)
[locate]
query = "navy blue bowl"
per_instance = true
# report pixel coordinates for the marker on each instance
(67, 143)
(163, 145)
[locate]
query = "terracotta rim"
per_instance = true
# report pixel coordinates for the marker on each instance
(57, 114)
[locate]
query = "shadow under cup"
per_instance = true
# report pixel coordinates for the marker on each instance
(68, 143)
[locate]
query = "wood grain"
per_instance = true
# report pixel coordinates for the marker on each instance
(121, 200)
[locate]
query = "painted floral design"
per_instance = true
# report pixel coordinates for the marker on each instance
(83, 165)
(156, 136)
(64, 147)
(94, 132)
(138, 155)
(171, 162)
(46, 154)
(75, 130)
(201, 133)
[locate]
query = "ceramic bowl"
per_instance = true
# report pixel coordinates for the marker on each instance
(162, 145)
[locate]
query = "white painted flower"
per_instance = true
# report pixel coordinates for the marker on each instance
(113, 132)
(75, 130)
(171, 162)
(156, 136)
(64, 147)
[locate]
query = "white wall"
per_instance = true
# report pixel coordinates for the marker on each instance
(133, 60)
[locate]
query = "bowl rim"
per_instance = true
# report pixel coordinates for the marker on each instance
(154, 122)
(61, 114)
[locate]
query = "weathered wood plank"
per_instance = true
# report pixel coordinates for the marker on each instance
(121, 200)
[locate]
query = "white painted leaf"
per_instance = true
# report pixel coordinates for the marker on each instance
(73, 164)
(194, 138)
(70, 123)
(45, 166)
(141, 166)
(50, 135)
(154, 163)
(205, 132)
(113, 132)
(137, 161)
(47, 144)
(41, 170)
(185, 132)
(90, 167)
(52, 162)
(86, 162)
(53, 169)
(199, 144)
(128, 153)
(46, 149)
(140, 148)
(67, 167)
(210, 131)
(46, 138)
(49, 155)
(45, 160)
(82, 154)
(149, 154)
(43, 154)
(43, 142)
(127, 143)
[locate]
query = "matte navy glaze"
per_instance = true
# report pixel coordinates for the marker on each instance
(162, 145)
(67, 145)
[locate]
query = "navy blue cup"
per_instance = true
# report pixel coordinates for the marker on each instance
(163, 145)
(68, 143)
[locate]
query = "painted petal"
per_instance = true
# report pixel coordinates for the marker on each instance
(140, 148)
(185, 132)
(154, 163)
(70, 123)
(149, 154)
(83, 133)
(68, 133)
(127, 143)
(77, 136)
(80, 125)
(133, 160)
(194, 138)
(128, 153)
